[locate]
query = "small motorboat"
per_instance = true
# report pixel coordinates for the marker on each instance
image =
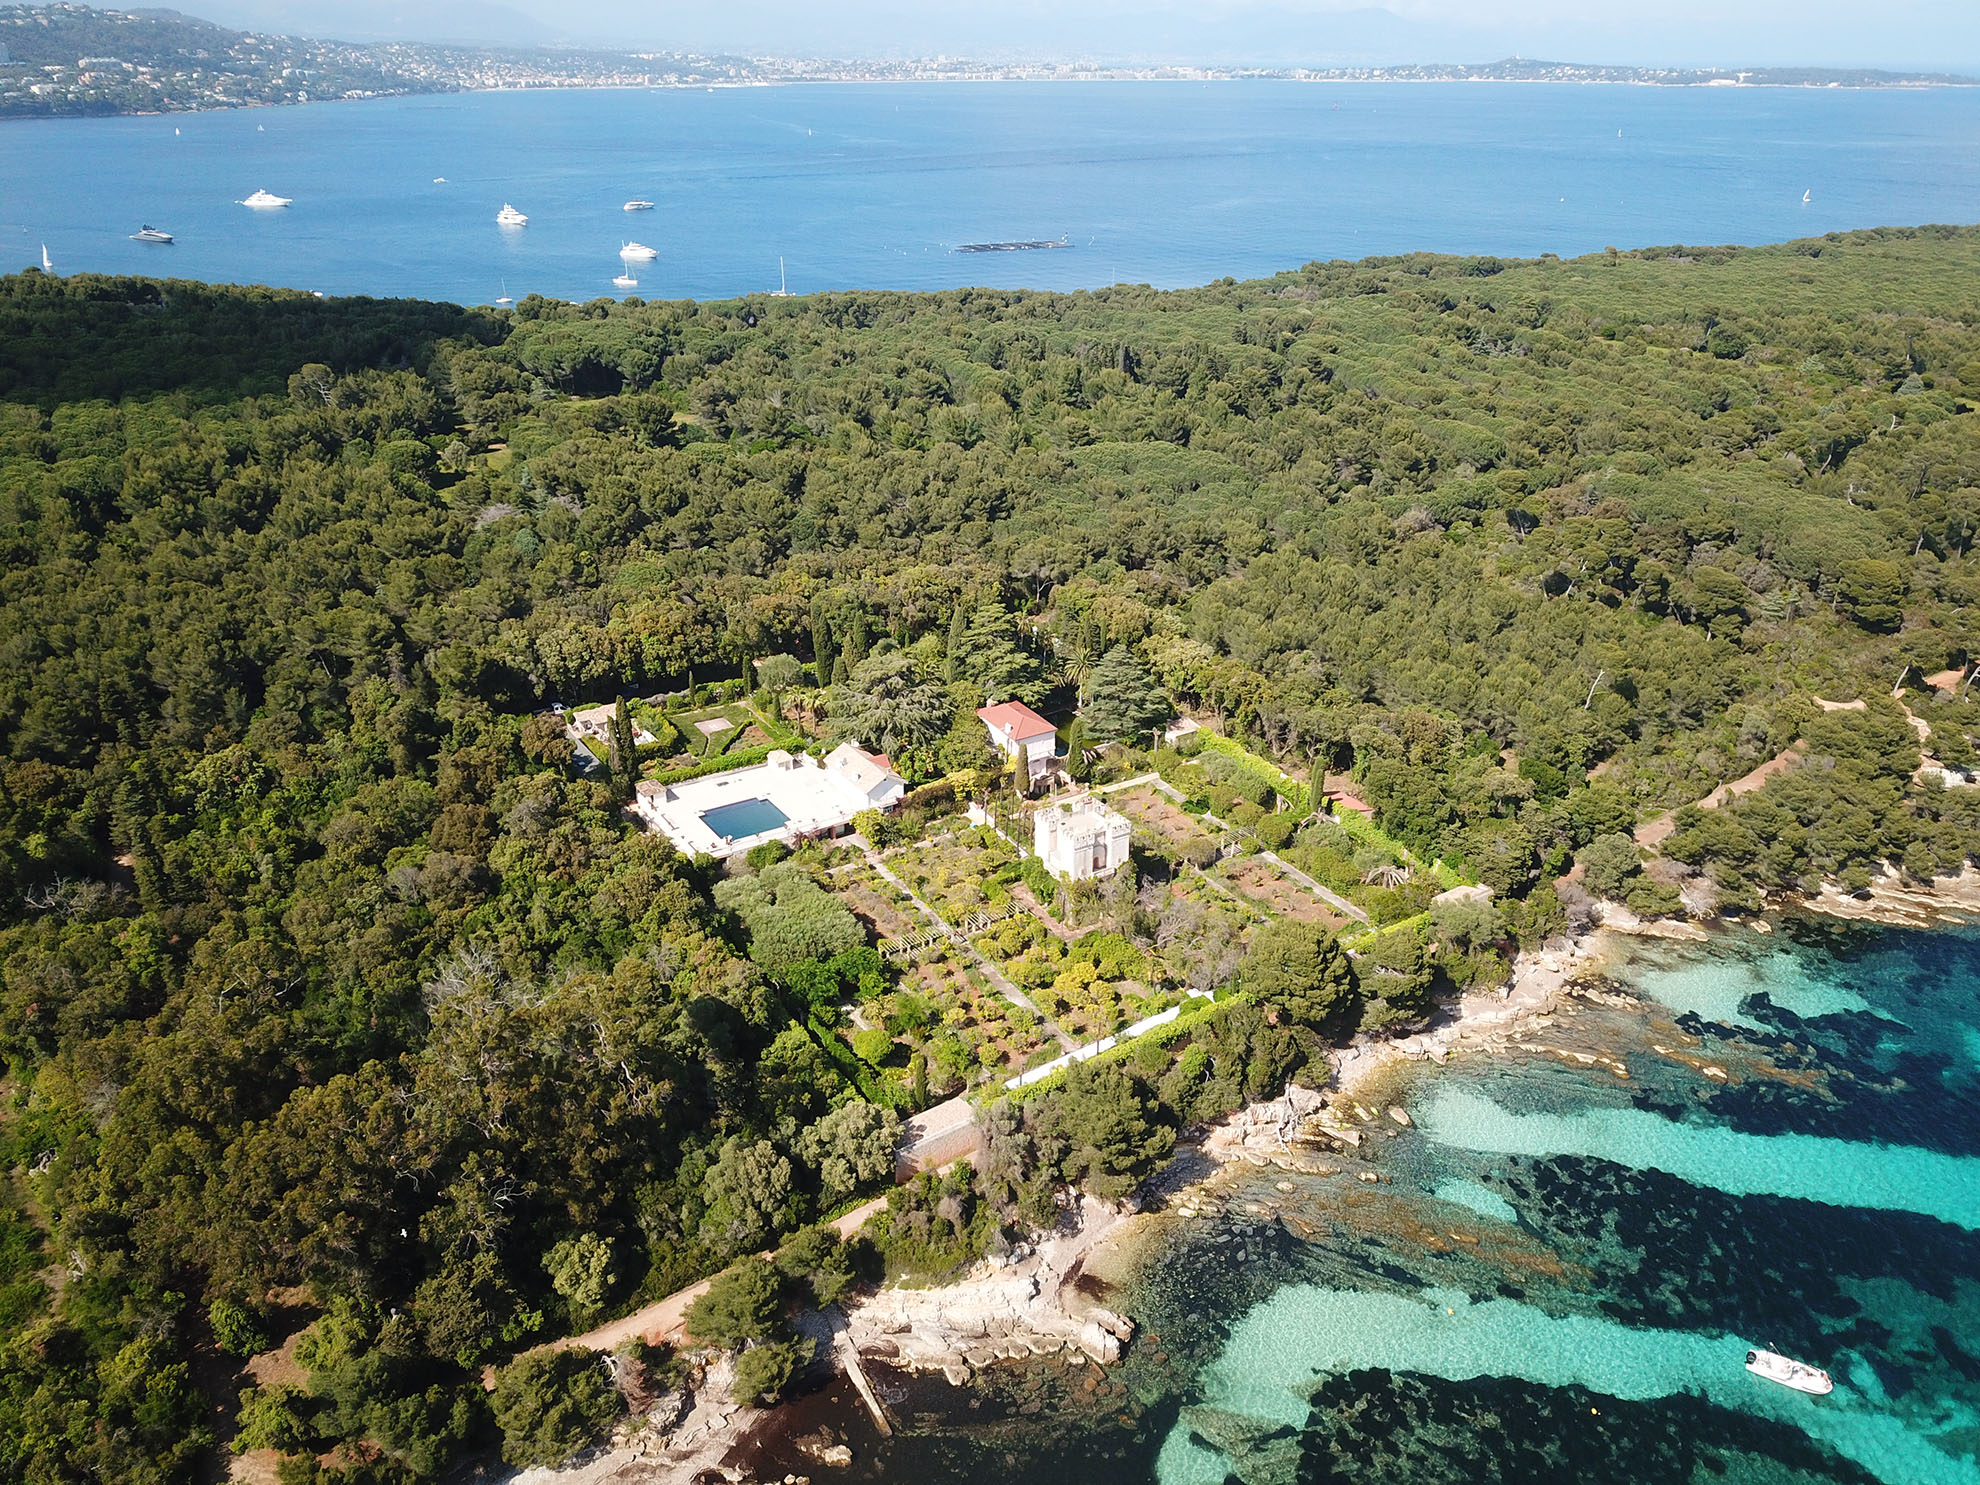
(1789, 1373)
(264, 200)
(149, 233)
(508, 216)
(638, 252)
(639, 206)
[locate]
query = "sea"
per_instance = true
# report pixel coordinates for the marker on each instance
(846, 187)
(1560, 1264)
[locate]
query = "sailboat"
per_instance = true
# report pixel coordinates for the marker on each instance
(783, 289)
(47, 263)
(505, 299)
(625, 280)
(1805, 195)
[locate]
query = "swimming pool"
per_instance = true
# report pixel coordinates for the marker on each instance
(744, 818)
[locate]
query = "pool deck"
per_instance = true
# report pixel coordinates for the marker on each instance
(814, 800)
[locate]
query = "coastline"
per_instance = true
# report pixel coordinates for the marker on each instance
(1040, 1303)
(1039, 1306)
(1059, 76)
(1890, 902)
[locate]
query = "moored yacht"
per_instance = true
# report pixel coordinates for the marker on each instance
(625, 281)
(639, 206)
(262, 199)
(149, 233)
(1789, 1373)
(638, 252)
(508, 216)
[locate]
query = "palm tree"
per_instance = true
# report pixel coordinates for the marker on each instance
(1389, 874)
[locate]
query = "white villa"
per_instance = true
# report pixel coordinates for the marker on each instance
(781, 798)
(1022, 735)
(596, 721)
(1080, 837)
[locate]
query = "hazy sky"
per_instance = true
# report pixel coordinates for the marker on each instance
(1941, 34)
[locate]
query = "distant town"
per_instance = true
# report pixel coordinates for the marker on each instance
(74, 60)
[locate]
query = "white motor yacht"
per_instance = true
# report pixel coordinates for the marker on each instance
(638, 252)
(264, 199)
(149, 233)
(508, 216)
(639, 206)
(1789, 1373)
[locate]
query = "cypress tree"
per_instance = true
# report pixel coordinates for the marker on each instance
(1077, 768)
(856, 642)
(822, 653)
(958, 644)
(622, 755)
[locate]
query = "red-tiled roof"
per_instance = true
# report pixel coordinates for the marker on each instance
(1015, 719)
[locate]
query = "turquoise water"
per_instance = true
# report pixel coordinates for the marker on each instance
(1557, 1272)
(1821, 1198)
(1838, 1172)
(1276, 1351)
(871, 187)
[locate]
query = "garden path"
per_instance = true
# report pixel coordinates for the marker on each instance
(994, 975)
(1326, 894)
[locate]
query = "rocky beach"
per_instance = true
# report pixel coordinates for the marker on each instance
(1042, 1301)
(1046, 1301)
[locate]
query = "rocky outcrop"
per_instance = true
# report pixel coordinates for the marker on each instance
(1029, 1308)
(1270, 1125)
(1892, 899)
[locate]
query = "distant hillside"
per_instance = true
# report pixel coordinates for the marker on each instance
(72, 60)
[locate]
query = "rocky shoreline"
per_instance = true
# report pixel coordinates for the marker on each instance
(1002, 1312)
(1037, 1307)
(1033, 1304)
(1889, 900)
(1038, 1302)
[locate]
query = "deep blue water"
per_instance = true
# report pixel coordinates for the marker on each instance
(744, 818)
(871, 186)
(1558, 1274)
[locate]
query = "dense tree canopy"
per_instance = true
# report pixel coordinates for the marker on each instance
(321, 963)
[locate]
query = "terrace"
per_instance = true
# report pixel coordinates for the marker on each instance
(784, 798)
